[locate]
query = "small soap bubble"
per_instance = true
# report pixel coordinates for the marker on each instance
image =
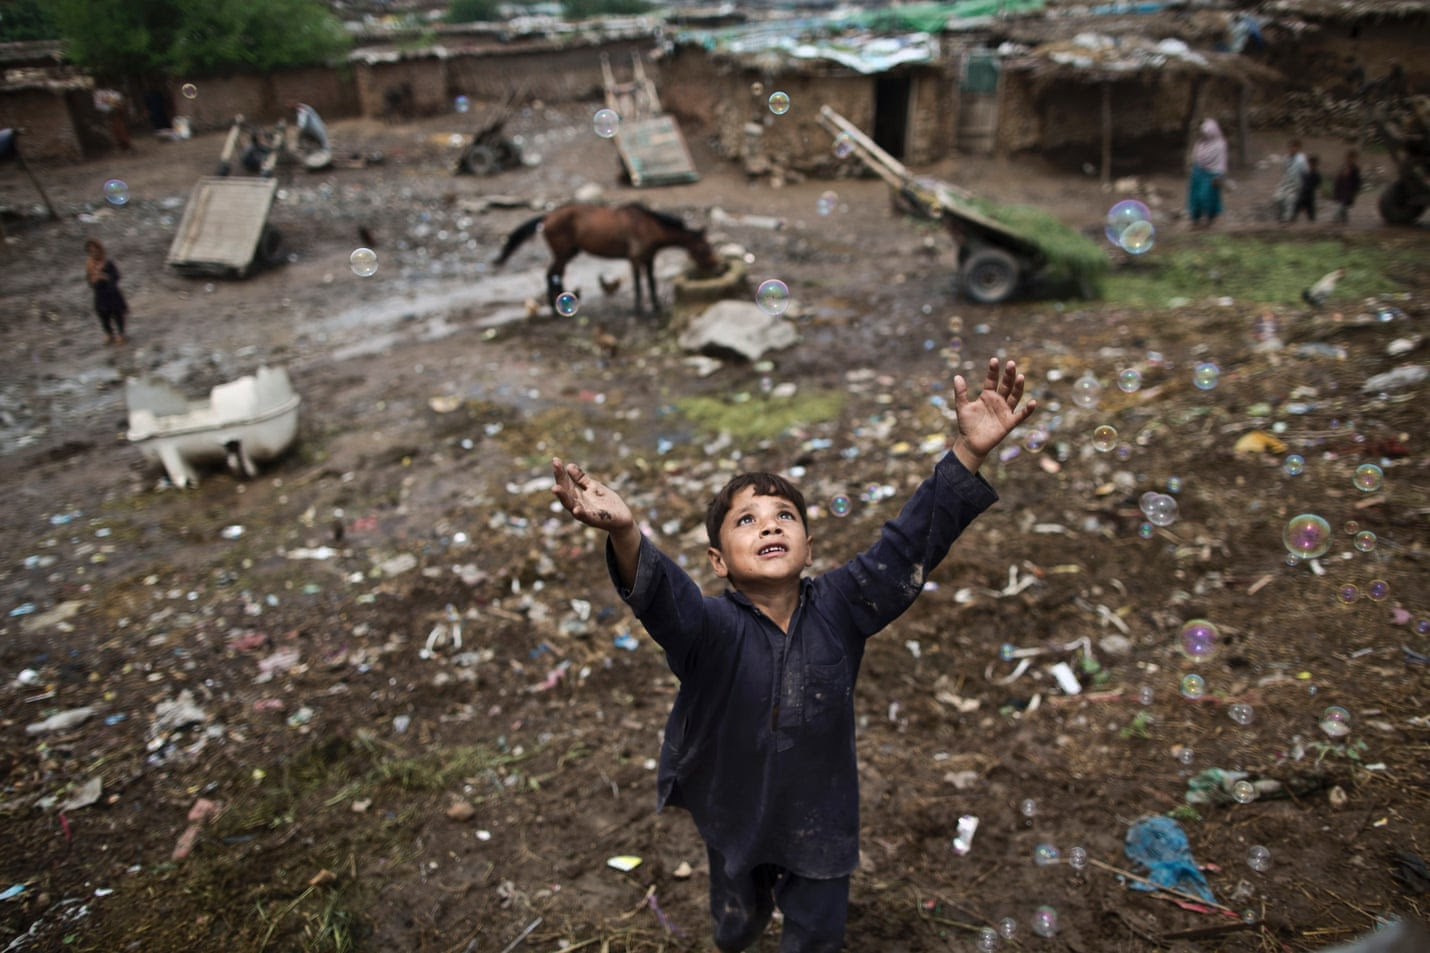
(1347, 593)
(1104, 437)
(1422, 626)
(1006, 652)
(1045, 921)
(461, 104)
(1146, 530)
(1045, 855)
(1336, 721)
(1241, 714)
(1036, 440)
(1086, 391)
(1174, 484)
(1028, 808)
(843, 145)
(1187, 755)
(1205, 375)
(1294, 464)
(1243, 792)
(1199, 638)
(757, 89)
(1145, 695)
(1369, 478)
(1258, 858)
(1122, 215)
(1377, 589)
(772, 296)
(988, 939)
(1129, 381)
(1193, 686)
(1138, 238)
(605, 123)
(1364, 541)
(116, 192)
(363, 262)
(827, 202)
(779, 102)
(567, 304)
(1161, 510)
(1007, 928)
(1077, 858)
(1350, 527)
(1307, 536)
(840, 505)
(189, 91)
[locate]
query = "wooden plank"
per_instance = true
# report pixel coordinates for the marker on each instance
(654, 152)
(222, 224)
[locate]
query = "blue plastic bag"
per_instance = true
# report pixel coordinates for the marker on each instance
(1159, 844)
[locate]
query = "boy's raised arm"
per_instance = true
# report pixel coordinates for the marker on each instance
(985, 420)
(597, 505)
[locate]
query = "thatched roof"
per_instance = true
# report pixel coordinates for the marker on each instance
(1100, 58)
(1345, 10)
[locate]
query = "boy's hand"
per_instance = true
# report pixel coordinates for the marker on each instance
(984, 421)
(588, 500)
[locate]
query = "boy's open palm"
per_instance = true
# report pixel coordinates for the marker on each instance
(589, 501)
(985, 420)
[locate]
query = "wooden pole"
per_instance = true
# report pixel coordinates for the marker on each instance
(20, 159)
(1106, 134)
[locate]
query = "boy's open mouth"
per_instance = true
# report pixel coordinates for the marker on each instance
(773, 548)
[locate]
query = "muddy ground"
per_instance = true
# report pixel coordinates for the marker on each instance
(341, 780)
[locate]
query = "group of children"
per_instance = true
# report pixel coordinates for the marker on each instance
(1301, 183)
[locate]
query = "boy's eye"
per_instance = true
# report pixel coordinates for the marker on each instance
(742, 520)
(786, 515)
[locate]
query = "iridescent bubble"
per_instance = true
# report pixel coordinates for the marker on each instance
(1187, 755)
(779, 102)
(461, 104)
(1104, 437)
(1294, 464)
(1422, 626)
(1199, 638)
(988, 939)
(1336, 721)
(567, 304)
(772, 296)
(1347, 593)
(1174, 484)
(1086, 391)
(1123, 214)
(1193, 686)
(1161, 510)
(1377, 589)
(1129, 381)
(1307, 536)
(1146, 530)
(1369, 478)
(1241, 714)
(1243, 792)
(1045, 855)
(843, 145)
(1258, 858)
(1364, 541)
(605, 123)
(189, 91)
(1028, 808)
(116, 192)
(1036, 440)
(1138, 238)
(1007, 928)
(840, 505)
(1045, 921)
(827, 202)
(1007, 651)
(1077, 857)
(1205, 375)
(1351, 527)
(1123, 451)
(757, 89)
(1145, 695)
(363, 262)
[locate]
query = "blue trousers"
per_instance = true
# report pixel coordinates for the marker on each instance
(814, 910)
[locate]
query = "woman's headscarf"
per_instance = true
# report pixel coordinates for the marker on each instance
(1210, 150)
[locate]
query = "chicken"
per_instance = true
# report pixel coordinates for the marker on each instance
(609, 285)
(1317, 294)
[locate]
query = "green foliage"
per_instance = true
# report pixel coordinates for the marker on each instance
(582, 9)
(187, 37)
(1139, 727)
(748, 418)
(22, 20)
(473, 11)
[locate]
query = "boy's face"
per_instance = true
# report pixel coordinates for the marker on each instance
(762, 540)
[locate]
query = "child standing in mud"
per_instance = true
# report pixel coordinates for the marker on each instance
(103, 276)
(759, 745)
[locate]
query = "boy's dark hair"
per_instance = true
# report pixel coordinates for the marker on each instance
(764, 484)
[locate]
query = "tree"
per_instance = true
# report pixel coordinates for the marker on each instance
(26, 20)
(584, 9)
(187, 37)
(473, 11)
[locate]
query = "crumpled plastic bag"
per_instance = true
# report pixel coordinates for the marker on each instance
(1159, 844)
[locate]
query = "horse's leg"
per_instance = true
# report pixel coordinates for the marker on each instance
(636, 283)
(555, 276)
(650, 282)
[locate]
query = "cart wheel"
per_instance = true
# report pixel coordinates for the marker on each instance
(270, 246)
(990, 276)
(1398, 205)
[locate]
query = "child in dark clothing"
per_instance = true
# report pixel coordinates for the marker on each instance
(1310, 184)
(103, 276)
(759, 745)
(1346, 187)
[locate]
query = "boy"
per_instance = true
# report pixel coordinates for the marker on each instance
(759, 745)
(1346, 187)
(1310, 184)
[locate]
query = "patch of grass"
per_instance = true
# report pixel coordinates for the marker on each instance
(438, 770)
(1257, 270)
(1071, 256)
(760, 418)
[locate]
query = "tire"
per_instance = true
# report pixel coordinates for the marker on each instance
(990, 276)
(270, 246)
(1398, 205)
(481, 159)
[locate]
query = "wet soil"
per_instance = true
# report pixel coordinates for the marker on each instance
(351, 777)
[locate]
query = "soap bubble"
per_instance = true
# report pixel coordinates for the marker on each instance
(1193, 686)
(1104, 437)
(1258, 858)
(606, 122)
(1086, 391)
(1028, 808)
(843, 145)
(1205, 375)
(779, 102)
(1369, 477)
(1174, 484)
(1377, 589)
(461, 104)
(1364, 541)
(1336, 721)
(1307, 536)
(1186, 755)
(1160, 509)
(1006, 652)
(1146, 530)
(1124, 214)
(840, 505)
(1347, 593)
(1007, 928)
(1243, 792)
(567, 304)
(1045, 855)
(1045, 921)
(1422, 626)
(757, 89)
(1138, 238)
(828, 202)
(116, 192)
(1036, 440)
(189, 91)
(1199, 638)
(1294, 464)
(1077, 857)
(1129, 381)
(772, 296)
(1350, 527)
(1241, 714)
(363, 262)
(988, 939)
(1145, 695)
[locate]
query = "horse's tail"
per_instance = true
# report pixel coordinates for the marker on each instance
(515, 240)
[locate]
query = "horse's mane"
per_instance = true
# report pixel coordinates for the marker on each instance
(665, 218)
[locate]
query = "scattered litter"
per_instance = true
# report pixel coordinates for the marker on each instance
(12, 891)
(85, 795)
(682, 872)
(627, 641)
(1159, 844)
(322, 878)
(1067, 681)
(1408, 375)
(963, 840)
(170, 716)
(624, 862)
(201, 812)
(61, 721)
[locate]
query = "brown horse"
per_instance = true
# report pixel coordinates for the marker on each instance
(633, 232)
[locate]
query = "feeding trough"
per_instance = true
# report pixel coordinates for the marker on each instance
(241, 423)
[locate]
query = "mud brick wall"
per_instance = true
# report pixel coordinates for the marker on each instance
(47, 122)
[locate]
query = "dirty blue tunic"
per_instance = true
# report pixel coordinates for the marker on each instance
(759, 745)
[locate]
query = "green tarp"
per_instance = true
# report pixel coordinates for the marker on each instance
(934, 17)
